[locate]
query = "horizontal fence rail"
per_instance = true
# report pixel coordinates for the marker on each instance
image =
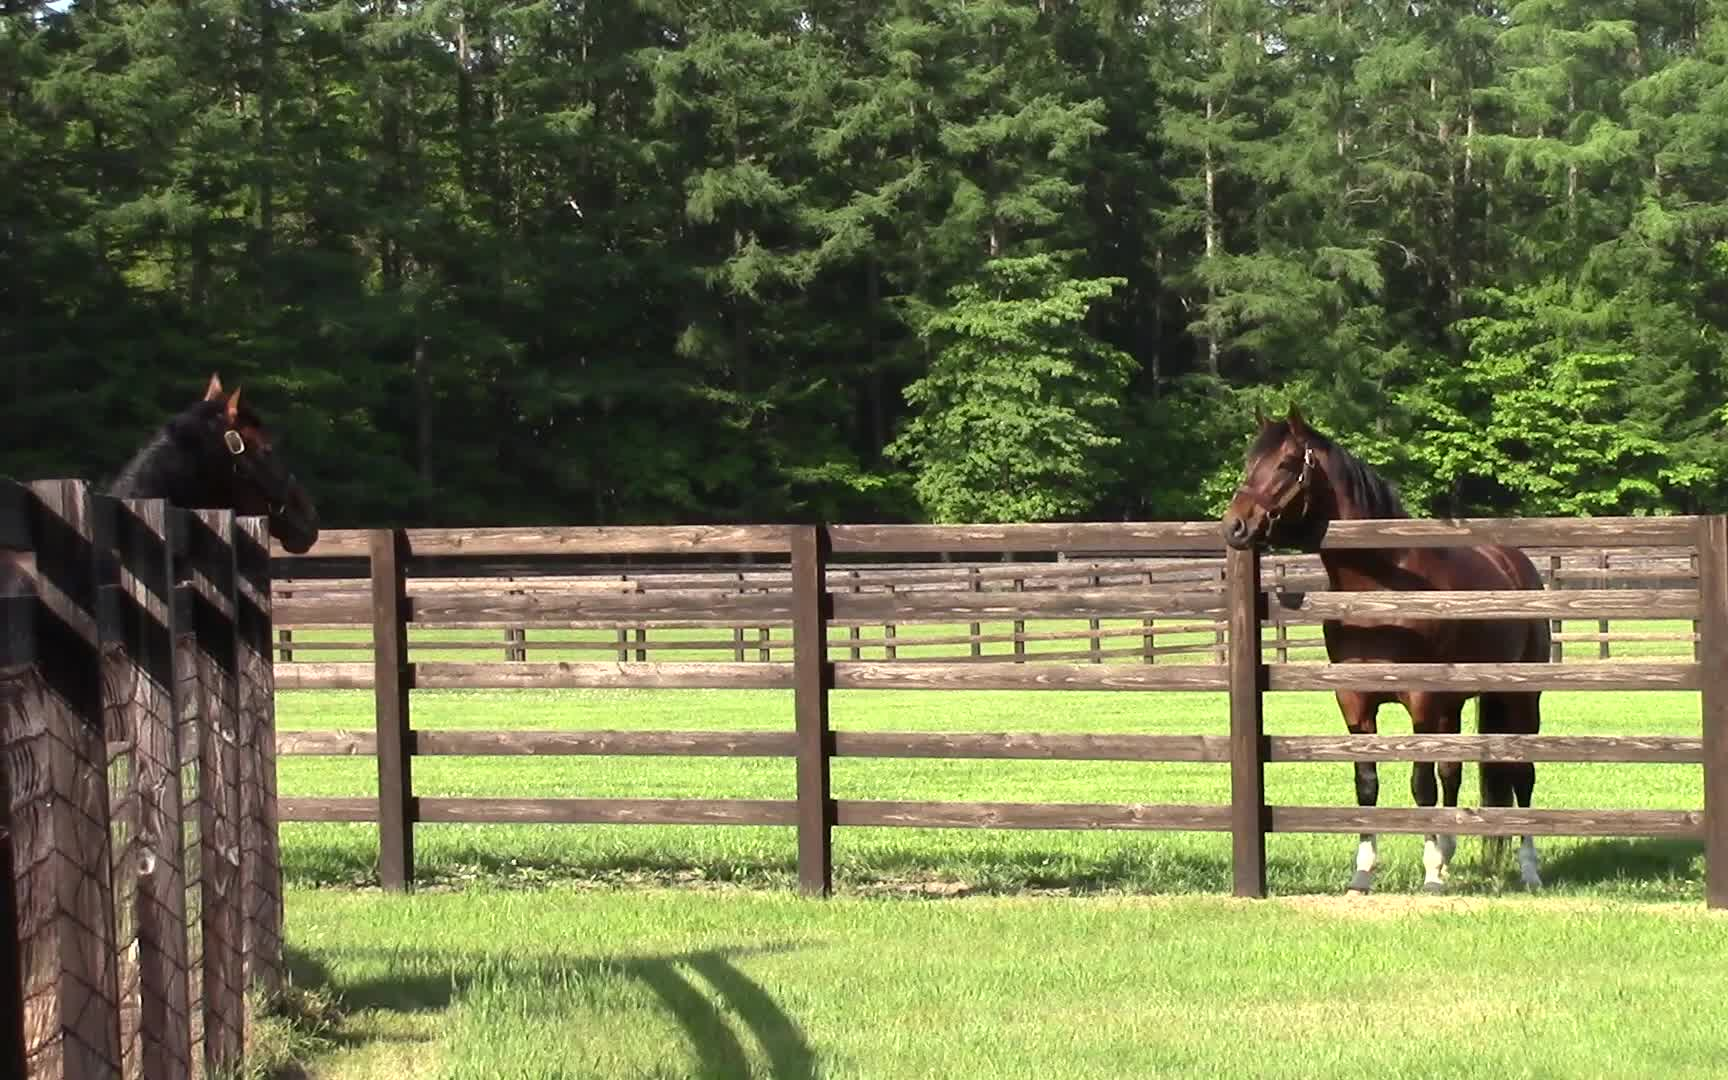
(803, 618)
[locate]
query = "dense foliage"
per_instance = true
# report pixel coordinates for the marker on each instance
(557, 260)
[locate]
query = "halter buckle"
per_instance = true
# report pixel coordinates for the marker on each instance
(236, 442)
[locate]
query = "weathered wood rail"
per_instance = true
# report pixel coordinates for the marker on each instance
(808, 598)
(321, 597)
(138, 837)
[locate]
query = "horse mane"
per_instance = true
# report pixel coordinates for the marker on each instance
(1354, 479)
(162, 468)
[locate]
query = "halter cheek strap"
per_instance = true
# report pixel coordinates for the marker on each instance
(244, 469)
(1273, 513)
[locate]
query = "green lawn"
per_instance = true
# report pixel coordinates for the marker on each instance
(682, 951)
(565, 983)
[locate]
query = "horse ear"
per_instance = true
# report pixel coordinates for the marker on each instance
(233, 406)
(214, 390)
(1297, 424)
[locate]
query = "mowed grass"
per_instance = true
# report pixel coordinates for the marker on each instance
(670, 952)
(566, 983)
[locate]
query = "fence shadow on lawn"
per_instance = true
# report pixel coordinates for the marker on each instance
(442, 978)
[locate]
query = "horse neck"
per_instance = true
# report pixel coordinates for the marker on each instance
(1359, 568)
(160, 471)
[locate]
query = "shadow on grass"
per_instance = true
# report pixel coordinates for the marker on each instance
(1600, 861)
(445, 977)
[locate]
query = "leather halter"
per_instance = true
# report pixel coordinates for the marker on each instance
(246, 469)
(1274, 513)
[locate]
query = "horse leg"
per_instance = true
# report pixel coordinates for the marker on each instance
(1427, 717)
(1359, 712)
(1451, 779)
(1506, 783)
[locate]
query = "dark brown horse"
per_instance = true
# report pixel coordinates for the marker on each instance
(1295, 483)
(216, 455)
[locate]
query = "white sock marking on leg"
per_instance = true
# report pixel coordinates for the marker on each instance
(1433, 862)
(1527, 863)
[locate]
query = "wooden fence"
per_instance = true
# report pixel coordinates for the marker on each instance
(141, 881)
(813, 605)
(1599, 568)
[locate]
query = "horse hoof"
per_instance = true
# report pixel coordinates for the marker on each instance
(1362, 884)
(1434, 888)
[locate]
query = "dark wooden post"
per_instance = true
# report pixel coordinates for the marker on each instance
(1149, 632)
(1697, 624)
(854, 633)
(889, 649)
(121, 683)
(1281, 628)
(51, 740)
(1019, 627)
(976, 584)
(210, 551)
(738, 631)
(1713, 684)
(260, 858)
(147, 633)
(1096, 643)
(1220, 654)
(1247, 741)
(1556, 627)
(392, 677)
(15, 652)
(1602, 624)
(812, 678)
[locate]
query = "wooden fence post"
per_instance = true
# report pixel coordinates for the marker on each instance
(1602, 651)
(1149, 635)
(1281, 627)
(260, 858)
(1247, 740)
(1556, 627)
(1095, 646)
(149, 701)
(121, 681)
(392, 677)
(1713, 674)
(1019, 626)
(51, 736)
(975, 583)
(854, 633)
(210, 551)
(812, 676)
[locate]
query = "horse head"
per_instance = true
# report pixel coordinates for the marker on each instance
(1278, 501)
(217, 454)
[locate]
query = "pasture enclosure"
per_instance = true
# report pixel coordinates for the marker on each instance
(141, 878)
(426, 591)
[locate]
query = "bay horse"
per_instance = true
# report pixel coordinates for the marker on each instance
(217, 455)
(1295, 482)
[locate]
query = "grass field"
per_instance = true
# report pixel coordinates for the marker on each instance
(566, 983)
(647, 951)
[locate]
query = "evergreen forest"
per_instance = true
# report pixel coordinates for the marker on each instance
(637, 261)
